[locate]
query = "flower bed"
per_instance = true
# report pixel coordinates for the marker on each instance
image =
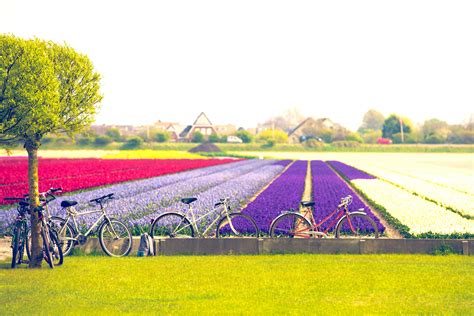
(329, 188)
(283, 194)
(422, 217)
(78, 174)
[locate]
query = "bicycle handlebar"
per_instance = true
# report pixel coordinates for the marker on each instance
(100, 199)
(222, 201)
(345, 201)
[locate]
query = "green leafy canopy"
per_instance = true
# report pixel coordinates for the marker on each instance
(44, 88)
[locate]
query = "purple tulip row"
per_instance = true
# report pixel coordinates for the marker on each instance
(349, 172)
(328, 189)
(283, 194)
(136, 199)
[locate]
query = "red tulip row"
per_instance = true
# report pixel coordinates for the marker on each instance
(78, 174)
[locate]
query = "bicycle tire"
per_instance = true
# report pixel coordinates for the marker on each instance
(46, 251)
(118, 231)
(363, 225)
(69, 234)
(243, 225)
(290, 225)
(167, 225)
(57, 252)
(15, 246)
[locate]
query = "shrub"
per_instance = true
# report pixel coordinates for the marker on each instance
(84, 141)
(161, 137)
(245, 136)
(345, 144)
(313, 143)
(198, 137)
(213, 138)
(133, 143)
(102, 141)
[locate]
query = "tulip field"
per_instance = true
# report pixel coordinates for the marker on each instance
(416, 204)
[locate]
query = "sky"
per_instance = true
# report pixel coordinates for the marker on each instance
(242, 62)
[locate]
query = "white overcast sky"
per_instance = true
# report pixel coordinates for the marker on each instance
(243, 61)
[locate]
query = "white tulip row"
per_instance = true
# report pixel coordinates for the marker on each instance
(443, 195)
(420, 215)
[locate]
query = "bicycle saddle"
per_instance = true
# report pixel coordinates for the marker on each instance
(188, 200)
(68, 203)
(307, 203)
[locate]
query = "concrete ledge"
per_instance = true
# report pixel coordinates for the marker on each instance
(322, 246)
(250, 246)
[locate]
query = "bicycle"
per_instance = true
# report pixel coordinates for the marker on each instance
(346, 224)
(227, 223)
(21, 240)
(20, 231)
(114, 237)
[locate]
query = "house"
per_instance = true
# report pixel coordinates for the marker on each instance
(310, 128)
(202, 124)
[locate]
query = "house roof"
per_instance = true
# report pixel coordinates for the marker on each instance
(202, 119)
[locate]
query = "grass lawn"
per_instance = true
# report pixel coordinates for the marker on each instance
(280, 284)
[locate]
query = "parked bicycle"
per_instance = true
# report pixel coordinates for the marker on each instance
(21, 240)
(186, 225)
(114, 236)
(20, 231)
(346, 224)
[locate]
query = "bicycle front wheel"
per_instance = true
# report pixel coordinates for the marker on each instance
(16, 245)
(172, 225)
(291, 225)
(66, 233)
(48, 257)
(115, 238)
(356, 226)
(237, 225)
(55, 249)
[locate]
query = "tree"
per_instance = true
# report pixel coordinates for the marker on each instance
(245, 136)
(435, 131)
(373, 120)
(392, 124)
(114, 133)
(45, 89)
(276, 136)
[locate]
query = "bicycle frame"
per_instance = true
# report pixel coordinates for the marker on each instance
(195, 220)
(73, 214)
(341, 212)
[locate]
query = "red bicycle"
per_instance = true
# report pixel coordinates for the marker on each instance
(292, 224)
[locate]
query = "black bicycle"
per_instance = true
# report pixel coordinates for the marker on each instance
(20, 231)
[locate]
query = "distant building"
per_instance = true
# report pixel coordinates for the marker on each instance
(202, 124)
(310, 128)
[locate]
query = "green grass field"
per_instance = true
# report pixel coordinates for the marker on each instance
(278, 284)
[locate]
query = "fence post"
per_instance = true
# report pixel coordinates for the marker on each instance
(465, 247)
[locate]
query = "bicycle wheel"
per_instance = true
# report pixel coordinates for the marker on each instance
(15, 245)
(291, 225)
(172, 225)
(115, 238)
(55, 249)
(48, 257)
(356, 226)
(66, 234)
(237, 225)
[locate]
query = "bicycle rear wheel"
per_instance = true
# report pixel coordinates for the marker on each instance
(237, 225)
(172, 225)
(291, 225)
(115, 238)
(356, 226)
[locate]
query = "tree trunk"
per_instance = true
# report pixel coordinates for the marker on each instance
(33, 192)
